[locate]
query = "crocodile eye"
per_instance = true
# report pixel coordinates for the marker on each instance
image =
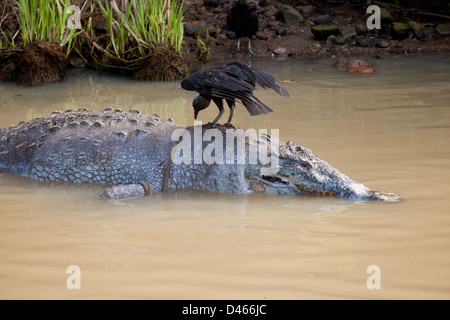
(275, 179)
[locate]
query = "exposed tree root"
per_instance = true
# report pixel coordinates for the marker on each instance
(40, 62)
(163, 65)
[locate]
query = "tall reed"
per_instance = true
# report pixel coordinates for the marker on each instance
(142, 26)
(45, 20)
(7, 39)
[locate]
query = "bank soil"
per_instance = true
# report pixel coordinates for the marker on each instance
(285, 31)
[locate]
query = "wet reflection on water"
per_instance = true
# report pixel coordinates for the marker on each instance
(389, 130)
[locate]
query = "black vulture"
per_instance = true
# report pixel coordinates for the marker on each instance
(232, 81)
(243, 20)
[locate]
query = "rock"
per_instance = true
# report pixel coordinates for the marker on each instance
(415, 26)
(262, 25)
(322, 20)
(281, 31)
(196, 15)
(273, 25)
(443, 29)
(187, 6)
(220, 37)
(231, 35)
(209, 17)
(386, 17)
(308, 10)
(291, 15)
(400, 31)
(381, 43)
(341, 64)
(190, 28)
(363, 41)
(361, 29)
(331, 40)
(280, 51)
(418, 34)
(355, 63)
(271, 11)
(203, 31)
(429, 30)
(261, 36)
(348, 32)
(417, 29)
(340, 40)
(323, 32)
(435, 37)
(314, 48)
(361, 70)
(354, 66)
(430, 34)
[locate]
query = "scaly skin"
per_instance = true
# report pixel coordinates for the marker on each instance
(125, 148)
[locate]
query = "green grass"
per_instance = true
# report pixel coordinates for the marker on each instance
(203, 47)
(6, 38)
(142, 26)
(46, 20)
(134, 28)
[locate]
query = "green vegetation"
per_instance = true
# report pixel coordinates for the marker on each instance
(138, 37)
(46, 20)
(203, 47)
(134, 31)
(6, 39)
(141, 27)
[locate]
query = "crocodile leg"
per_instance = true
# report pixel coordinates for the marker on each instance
(127, 191)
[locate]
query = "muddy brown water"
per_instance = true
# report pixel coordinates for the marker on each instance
(389, 130)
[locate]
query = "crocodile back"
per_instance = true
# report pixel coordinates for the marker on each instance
(86, 146)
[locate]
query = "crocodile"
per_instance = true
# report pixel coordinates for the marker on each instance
(133, 154)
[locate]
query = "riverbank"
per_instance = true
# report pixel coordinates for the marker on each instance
(285, 30)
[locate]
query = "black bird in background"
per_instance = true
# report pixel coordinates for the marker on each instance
(232, 81)
(243, 20)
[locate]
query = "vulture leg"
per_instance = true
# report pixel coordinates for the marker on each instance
(232, 107)
(219, 104)
(250, 46)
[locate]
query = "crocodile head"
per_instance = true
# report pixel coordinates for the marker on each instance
(296, 170)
